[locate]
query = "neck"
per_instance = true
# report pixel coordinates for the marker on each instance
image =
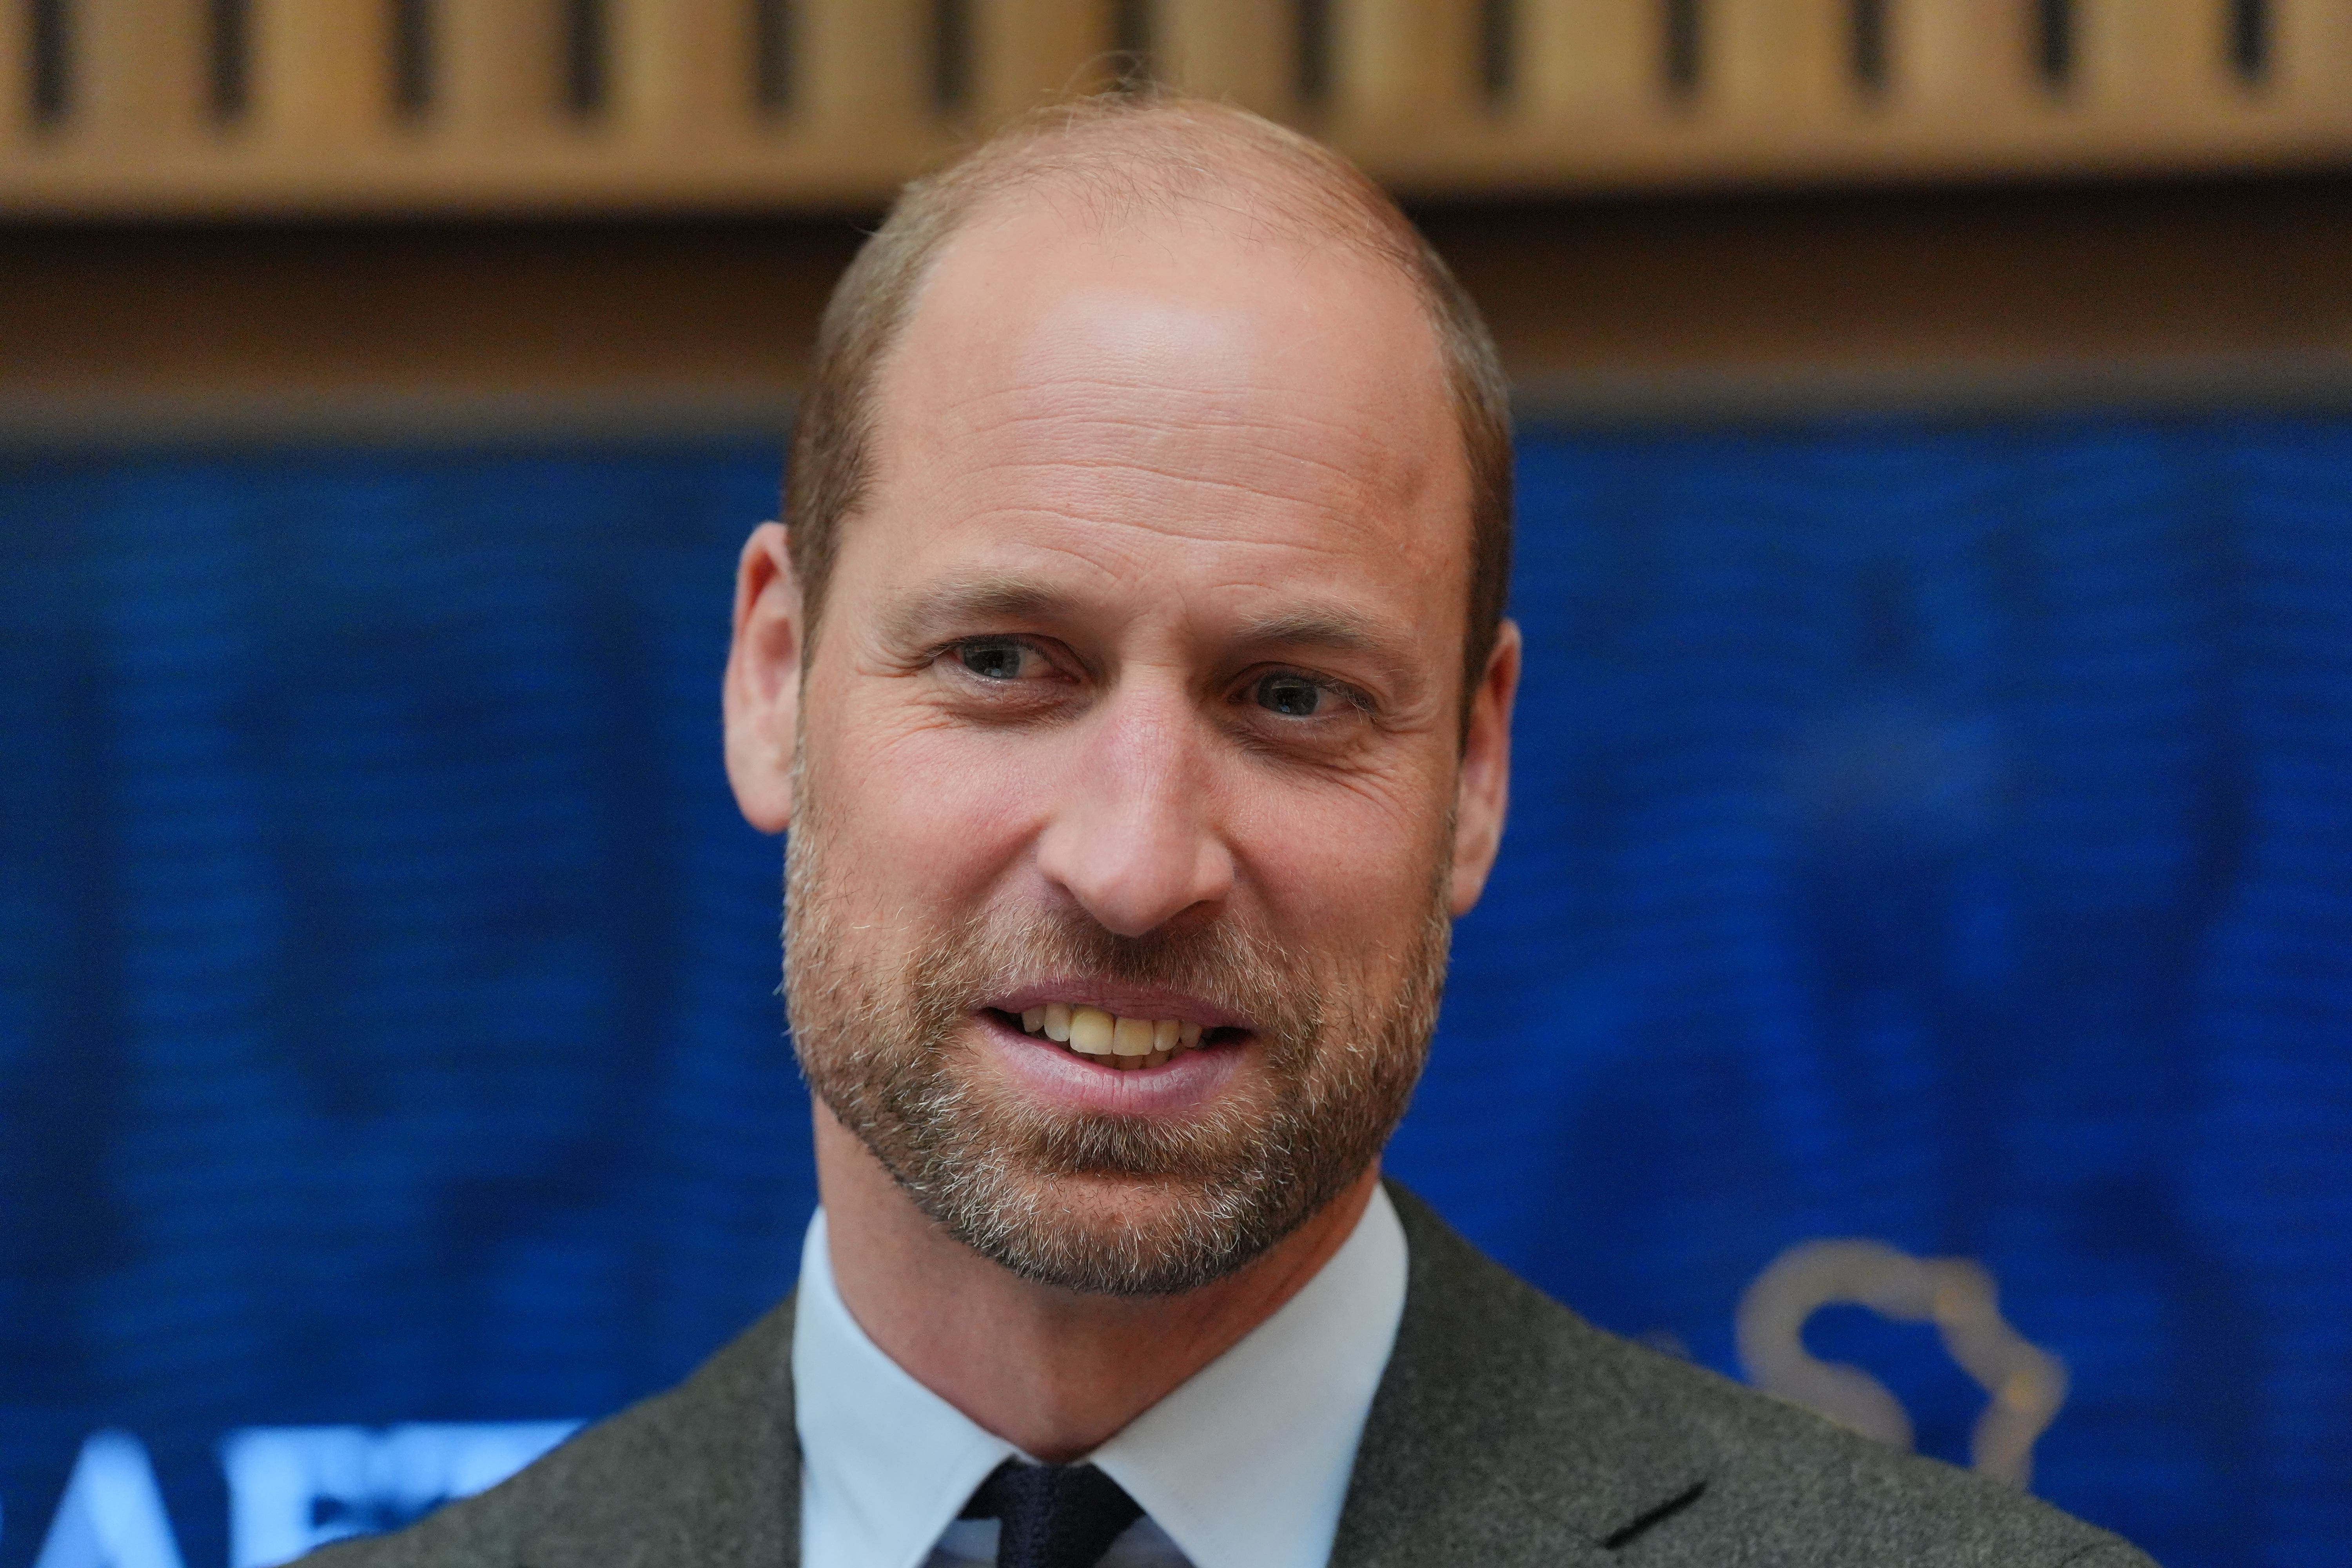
(1056, 1373)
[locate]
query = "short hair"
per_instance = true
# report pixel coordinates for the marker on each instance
(1128, 151)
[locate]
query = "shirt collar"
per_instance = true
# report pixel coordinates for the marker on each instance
(1245, 1465)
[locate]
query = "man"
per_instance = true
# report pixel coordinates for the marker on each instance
(1132, 677)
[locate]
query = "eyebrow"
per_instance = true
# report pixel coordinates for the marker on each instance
(915, 616)
(1338, 629)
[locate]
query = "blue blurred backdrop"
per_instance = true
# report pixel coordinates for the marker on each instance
(1928, 833)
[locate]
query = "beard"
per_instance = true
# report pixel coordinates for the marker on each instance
(1091, 1201)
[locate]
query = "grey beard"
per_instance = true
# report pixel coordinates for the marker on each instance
(879, 1047)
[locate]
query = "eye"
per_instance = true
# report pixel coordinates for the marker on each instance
(994, 658)
(1292, 696)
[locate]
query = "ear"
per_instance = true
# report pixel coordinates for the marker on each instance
(1484, 788)
(762, 690)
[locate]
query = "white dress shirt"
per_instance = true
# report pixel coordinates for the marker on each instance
(1245, 1465)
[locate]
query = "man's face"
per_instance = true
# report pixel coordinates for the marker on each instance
(1129, 763)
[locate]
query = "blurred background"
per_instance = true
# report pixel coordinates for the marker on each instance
(1921, 943)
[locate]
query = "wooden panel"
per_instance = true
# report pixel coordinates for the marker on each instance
(2152, 59)
(1956, 58)
(1243, 49)
(863, 69)
(141, 72)
(455, 331)
(17, 106)
(1614, 309)
(1587, 60)
(1776, 103)
(1403, 70)
(684, 70)
(501, 70)
(321, 70)
(1853, 301)
(1026, 53)
(1779, 59)
(2311, 60)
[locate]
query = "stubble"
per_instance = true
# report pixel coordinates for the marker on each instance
(882, 1022)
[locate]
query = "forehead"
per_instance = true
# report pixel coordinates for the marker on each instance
(1069, 382)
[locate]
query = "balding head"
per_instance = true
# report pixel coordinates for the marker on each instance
(1137, 487)
(1126, 162)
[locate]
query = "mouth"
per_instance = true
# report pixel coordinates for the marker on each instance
(1123, 1041)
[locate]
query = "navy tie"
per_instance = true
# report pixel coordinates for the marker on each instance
(1052, 1516)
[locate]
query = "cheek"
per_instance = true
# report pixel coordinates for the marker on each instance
(918, 812)
(1347, 868)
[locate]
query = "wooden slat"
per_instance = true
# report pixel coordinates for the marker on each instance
(2153, 93)
(320, 71)
(683, 69)
(862, 69)
(2152, 60)
(1404, 68)
(500, 71)
(1026, 53)
(16, 76)
(141, 72)
(1779, 59)
(1245, 50)
(2311, 60)
(1960, 59)
(1587, 59)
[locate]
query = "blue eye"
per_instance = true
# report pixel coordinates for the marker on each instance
(993, 660)
(1292, 696)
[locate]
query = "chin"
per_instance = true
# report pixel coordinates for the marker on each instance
(1105, 1234)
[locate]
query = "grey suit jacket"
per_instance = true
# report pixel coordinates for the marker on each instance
(1506, 1431)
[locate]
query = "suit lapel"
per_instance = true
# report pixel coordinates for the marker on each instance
(1504, 1431)
(708, 1475)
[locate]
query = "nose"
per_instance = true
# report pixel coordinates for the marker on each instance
(1133, 837)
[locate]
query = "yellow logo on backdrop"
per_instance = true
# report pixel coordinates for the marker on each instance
(2025, 1384)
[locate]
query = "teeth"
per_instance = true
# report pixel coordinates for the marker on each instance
(1117, 1042)
(1131, 1037)
(1092, 1031)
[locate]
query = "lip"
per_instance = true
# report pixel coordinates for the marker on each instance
(1065, 1079)
(1123, 1001)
